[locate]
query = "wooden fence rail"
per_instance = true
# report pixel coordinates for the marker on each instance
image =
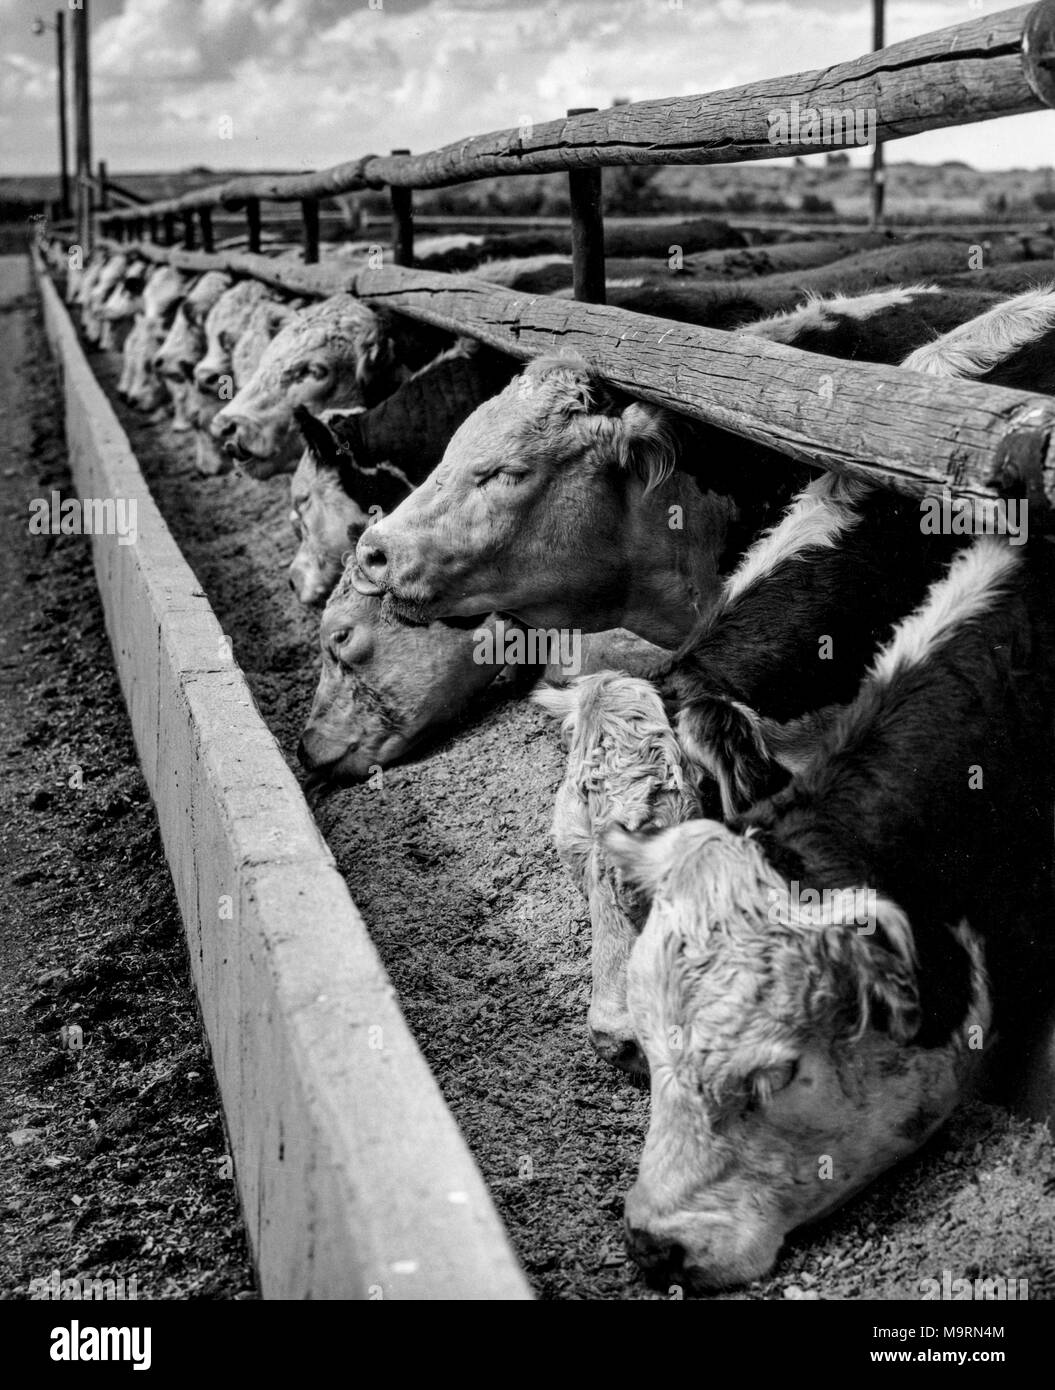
(998, 65)
(919, 433)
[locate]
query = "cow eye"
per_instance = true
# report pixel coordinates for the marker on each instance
(505, 476)
(771, 1080)
(318, 371)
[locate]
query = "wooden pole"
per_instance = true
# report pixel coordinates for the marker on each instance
(104, 198)
(188, 231)
(65, 210)
(82, 104)
(878, 171)
(402, 222)
(168, 222)
(587, 228)
(205, 222)
(252, 217)
(309, 210)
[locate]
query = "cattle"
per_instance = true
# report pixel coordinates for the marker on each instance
(1010, 345)
(80, 278)
(121, 306)
(184, 345)
(213, 374)
(364, 462)
(795, 626)
(554, 503)
(337, 353)
(332, 493)
(95, 292)
(810, 985)
(791, 635)
(384, 685)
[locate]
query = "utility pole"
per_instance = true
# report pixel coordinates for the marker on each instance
(878, 172)
(41, 26)
(82, 104)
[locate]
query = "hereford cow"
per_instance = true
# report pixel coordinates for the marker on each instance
(810, 986)
(554, 502)
(337, 353)
(214, 378)
(384, 685)
(371, 459)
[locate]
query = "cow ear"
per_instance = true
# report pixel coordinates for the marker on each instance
(891, 973)
(640, 437)
(318, 437)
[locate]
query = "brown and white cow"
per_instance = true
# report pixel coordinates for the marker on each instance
(811, 984)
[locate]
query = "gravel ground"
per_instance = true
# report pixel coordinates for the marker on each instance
(451, 864)
(112, 1147)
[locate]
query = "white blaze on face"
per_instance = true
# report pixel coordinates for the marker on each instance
(774, 1098)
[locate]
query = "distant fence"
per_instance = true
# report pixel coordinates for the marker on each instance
(887, 423)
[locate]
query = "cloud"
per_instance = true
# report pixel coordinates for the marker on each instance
(311, 82)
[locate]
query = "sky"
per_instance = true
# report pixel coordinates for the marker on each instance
(300, 84)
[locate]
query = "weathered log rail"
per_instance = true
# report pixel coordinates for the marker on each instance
(997, 65)
(918, 433)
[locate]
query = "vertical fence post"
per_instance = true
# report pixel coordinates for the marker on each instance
(587, 228)
(104, 196)
(152, 227)
(168, 224)
(309, 211)
(188, 231)
(878, 172)
(82, 104)
(205, 222)
(64, 152)
(252, 217)
(402, 222)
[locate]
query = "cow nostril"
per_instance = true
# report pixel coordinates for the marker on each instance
(372, 561)
(656, 1254)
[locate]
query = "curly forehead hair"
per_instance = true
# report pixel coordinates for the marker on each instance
(567, 394)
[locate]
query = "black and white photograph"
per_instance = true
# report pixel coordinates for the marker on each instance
(527, 666)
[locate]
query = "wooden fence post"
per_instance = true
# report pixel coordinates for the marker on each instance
(188, 231)
(205, 222)
(168, 222)
(309, 209)
(252, 217)
(402, 222)
(587, 228)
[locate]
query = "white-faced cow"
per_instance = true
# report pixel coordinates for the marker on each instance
(810, 987)
(364, 463)
(337, 353)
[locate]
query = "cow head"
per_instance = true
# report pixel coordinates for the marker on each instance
(384, 684)
(784, 1075)
(331, 355)
(333, 494)
(551, 502)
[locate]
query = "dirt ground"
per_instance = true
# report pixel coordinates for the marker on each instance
(451, 864)
(112, 1147)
